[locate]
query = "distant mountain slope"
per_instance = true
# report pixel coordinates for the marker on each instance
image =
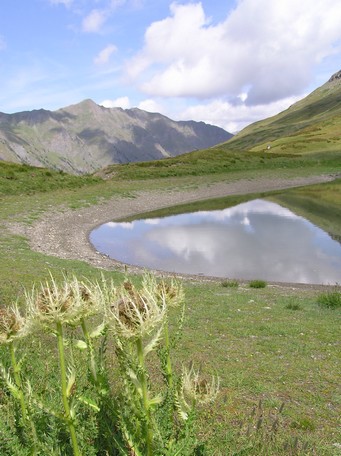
(310, 125)
(85, 137)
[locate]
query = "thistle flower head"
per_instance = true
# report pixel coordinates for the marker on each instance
(198, 388)
(12, 325)
(64, 303)
(136, 313)
(169, 293)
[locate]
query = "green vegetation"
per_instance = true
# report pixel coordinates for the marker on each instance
(293, 306)
(96, 407)
(257, 284)
(331, 299)
(230, 283)
(223, 160)
(260, 351)
(23, 179)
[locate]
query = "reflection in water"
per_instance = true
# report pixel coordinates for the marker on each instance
(257, 239)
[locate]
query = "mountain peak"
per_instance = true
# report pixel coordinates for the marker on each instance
(84, 137)
(336, 76)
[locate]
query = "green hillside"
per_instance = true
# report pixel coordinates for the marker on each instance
(310, 125)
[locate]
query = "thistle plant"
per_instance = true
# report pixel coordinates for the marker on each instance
(149, 410)
(138, 318)
(51, 308)
(13, 327)
(171, 295)
(196, 389)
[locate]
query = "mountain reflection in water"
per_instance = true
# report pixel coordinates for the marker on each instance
(258, 239)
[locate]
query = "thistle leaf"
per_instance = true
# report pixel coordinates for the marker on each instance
(156, 400)
(73, 411)
(71, 383)
(132, 376)
(180, 408)
(90, 402)
(152, 344)
(130, 440)
(9, 382)
(46, 409)
(98, 331)
(80, 344)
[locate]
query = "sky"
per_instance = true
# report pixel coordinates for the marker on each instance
(225, 62)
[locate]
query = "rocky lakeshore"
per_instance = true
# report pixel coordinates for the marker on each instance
(64, 232)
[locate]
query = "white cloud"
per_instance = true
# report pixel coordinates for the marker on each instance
(122, 102)
(94, 21)
(125, 225)
(104, 55)
(234, 117)
(264, 48)
(150, 106)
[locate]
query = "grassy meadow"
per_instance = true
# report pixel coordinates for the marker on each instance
(276, 349)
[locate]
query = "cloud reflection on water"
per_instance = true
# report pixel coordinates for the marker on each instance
(257, 239)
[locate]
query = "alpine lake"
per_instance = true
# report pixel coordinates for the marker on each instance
(258, 239)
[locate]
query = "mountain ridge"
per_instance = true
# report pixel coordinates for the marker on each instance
(310, 125)
(84, 137)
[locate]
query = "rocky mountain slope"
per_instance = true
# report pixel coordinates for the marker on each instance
(85, 137)
(309, 126)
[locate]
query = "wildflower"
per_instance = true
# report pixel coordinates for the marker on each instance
(66, 303)
(171, 293)
(198, 389)
(12, 325)
(135, 313)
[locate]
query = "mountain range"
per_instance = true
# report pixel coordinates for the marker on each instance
(85, 137)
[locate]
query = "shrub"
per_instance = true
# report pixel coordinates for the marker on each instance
(257, 284)
(230, 284)
(331, 299)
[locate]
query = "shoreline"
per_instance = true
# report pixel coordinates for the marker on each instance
(64, 232)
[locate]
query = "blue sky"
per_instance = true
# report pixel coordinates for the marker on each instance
(225, 62)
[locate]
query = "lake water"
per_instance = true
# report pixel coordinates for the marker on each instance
(254, 240)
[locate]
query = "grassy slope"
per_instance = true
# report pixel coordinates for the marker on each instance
(221, 162)
(261, 348)
(310, 126)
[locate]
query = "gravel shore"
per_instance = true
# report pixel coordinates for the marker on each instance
(65, 232)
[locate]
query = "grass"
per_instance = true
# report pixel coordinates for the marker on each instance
(330, 300)
(259, 346)
(265, 352)
(24, 179)
(257, 283)
(221, 161)
(230, 283)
